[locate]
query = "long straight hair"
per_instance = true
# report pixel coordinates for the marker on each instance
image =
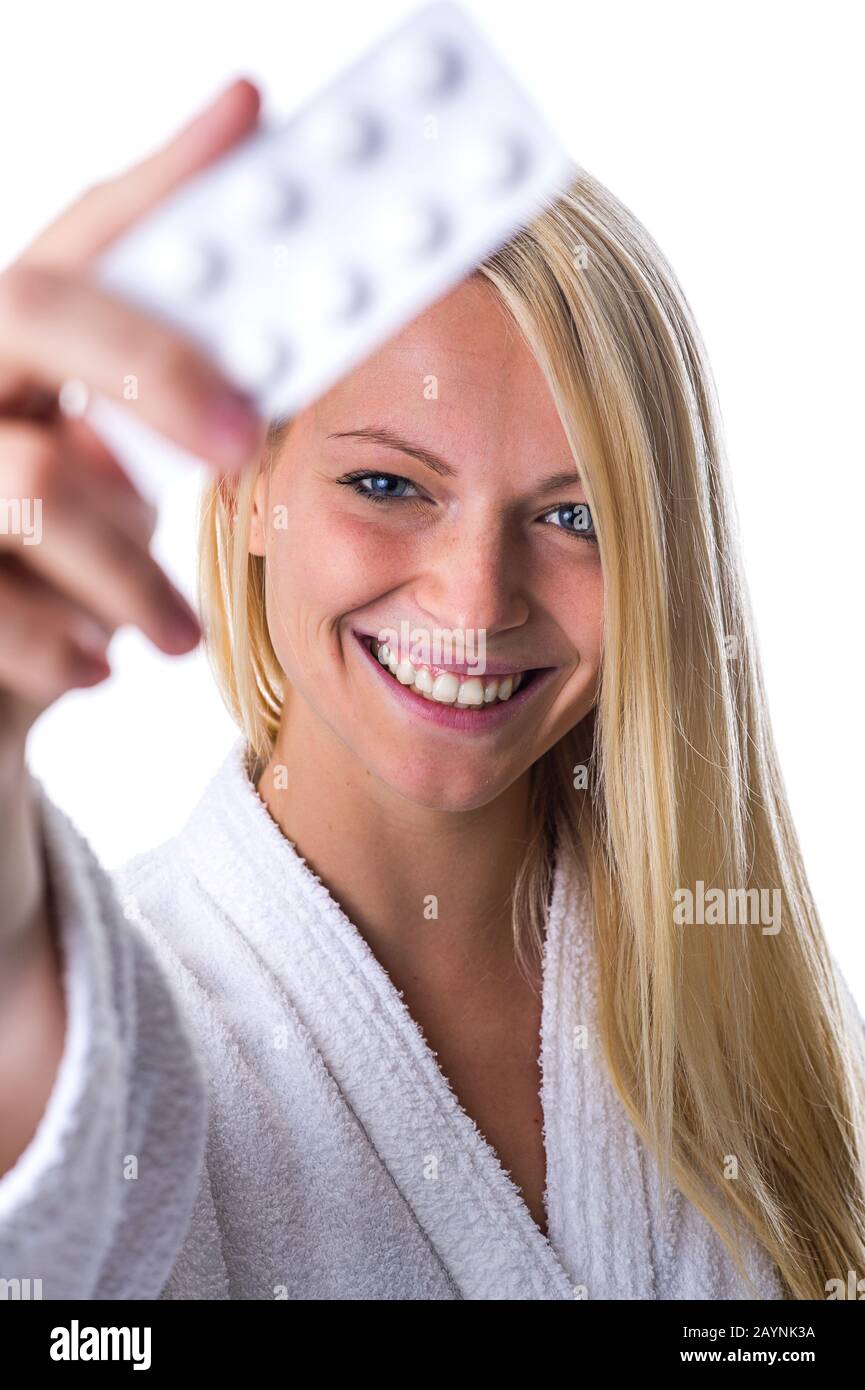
(721, 1041)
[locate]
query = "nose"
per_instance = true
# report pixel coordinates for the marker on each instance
(472, 576)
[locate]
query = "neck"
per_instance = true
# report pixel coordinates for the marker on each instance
(420, 884)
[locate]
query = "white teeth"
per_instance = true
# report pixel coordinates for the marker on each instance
(471, 692)
(446, 688)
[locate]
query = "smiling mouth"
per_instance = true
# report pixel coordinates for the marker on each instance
(448, 687)
(457, 700)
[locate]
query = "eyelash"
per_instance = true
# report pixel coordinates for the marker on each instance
(353, 480)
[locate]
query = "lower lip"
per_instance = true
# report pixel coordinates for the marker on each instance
(470, 721)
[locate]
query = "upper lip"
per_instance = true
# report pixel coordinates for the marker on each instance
(490, 668)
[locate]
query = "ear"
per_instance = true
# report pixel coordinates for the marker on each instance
(258, 515)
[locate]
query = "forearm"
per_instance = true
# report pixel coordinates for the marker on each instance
(95, 1065)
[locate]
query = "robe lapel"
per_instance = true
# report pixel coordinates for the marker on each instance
(599, 1215)
(471, 1211)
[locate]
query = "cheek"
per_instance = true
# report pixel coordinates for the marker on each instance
(573, 596)
(336, 565)
(588, 622)
(578, 610)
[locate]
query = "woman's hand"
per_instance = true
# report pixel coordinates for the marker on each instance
(69, 582)
(80, 567)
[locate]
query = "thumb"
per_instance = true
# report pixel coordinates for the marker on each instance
(107, 209)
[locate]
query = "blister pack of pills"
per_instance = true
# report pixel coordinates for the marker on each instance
(302, 250)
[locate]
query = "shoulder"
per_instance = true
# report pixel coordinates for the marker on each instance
(164, 889)
(164, 906)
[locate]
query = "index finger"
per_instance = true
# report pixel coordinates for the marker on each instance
(107, 209)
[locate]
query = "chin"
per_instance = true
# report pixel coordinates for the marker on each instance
(437, 789)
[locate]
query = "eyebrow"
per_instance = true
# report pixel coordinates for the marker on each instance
(556, 481)
(401, 446)
(552, 483)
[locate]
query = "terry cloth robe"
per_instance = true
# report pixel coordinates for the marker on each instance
(245, 1108)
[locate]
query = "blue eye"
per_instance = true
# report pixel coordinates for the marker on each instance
(575, 518)
(384, 486)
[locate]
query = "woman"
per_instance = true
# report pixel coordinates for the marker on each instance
(419, 1003)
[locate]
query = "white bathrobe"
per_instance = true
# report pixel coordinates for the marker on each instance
(245, 1108)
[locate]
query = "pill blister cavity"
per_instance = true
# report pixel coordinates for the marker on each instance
(496, 161)
(182, 266)
(347, 135)
(408, 228)
(266, 199)
(253, 356)
(330, 292)
(428, 70)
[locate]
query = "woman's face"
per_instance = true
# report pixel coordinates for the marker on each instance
(416, 503)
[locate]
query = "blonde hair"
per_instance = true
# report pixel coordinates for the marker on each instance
(719, 1041)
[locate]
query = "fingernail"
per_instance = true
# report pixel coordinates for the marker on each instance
(234, 427)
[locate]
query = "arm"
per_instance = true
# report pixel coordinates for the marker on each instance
(32, 1011)
(98, 1202)
(94, 1062)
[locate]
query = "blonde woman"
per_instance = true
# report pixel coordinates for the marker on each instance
(419, 1004)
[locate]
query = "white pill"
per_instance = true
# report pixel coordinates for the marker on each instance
(253, 355)
(407, 228)
(264, 198)
(180, 265)
(345, 134)
(330, 292)
(495, 161)
(428, 70)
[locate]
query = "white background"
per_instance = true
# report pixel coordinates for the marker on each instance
(733, 131)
